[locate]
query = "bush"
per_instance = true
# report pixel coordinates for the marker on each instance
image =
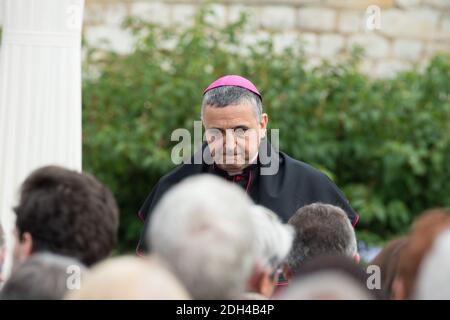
(386, 143)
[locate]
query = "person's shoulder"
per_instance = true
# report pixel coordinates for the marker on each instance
(302, 168)
(179, 173)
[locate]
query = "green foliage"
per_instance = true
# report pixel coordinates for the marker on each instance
(386, 143)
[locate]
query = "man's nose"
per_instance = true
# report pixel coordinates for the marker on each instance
(230, 140)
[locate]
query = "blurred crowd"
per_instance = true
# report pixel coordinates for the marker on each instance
(208, 240)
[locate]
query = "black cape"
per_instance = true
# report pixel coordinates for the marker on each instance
(295, 185)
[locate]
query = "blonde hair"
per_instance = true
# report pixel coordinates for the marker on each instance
(129, 278)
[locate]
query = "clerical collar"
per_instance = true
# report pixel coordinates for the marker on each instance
(244, 179)
(225, 174)
(238, 175)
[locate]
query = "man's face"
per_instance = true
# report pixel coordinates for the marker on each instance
(233, 134)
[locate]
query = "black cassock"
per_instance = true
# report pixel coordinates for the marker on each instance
(295, 185)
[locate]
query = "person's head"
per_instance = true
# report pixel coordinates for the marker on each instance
(387, 260)
(234, 122)
(203, 229)
(326, 285)
(320, 229)
(424, 231)
(129, 278)
(66, 213)
(333, 263)
(273, 243)
(434, 277)
(44, 276)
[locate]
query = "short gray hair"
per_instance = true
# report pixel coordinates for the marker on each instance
(273, 238)
(43, 276)
(320, 229)
(203, 230)
(224, 96)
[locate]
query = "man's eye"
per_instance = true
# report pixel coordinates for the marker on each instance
(213, 133)
(240, 131)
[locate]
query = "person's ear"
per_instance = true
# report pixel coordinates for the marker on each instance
(267, 284)
(263, 126)
(254, 280)
(264, 121)
(25, 246)
(286, 272)
(398, 289)
(357, 258)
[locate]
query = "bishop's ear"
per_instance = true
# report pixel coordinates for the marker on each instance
(263, 125)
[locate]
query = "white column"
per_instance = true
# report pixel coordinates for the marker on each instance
(40, 95)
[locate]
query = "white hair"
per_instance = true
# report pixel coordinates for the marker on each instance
(434, 278)
(203, 230)
(352, 249)
(273, 238)
(43, 276)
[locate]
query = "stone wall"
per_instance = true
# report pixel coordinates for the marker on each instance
(410, 30)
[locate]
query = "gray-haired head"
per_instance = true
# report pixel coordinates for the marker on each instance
(203, 230)
(43, 276)
(273, 238)
(320, 229)
(224, 96)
